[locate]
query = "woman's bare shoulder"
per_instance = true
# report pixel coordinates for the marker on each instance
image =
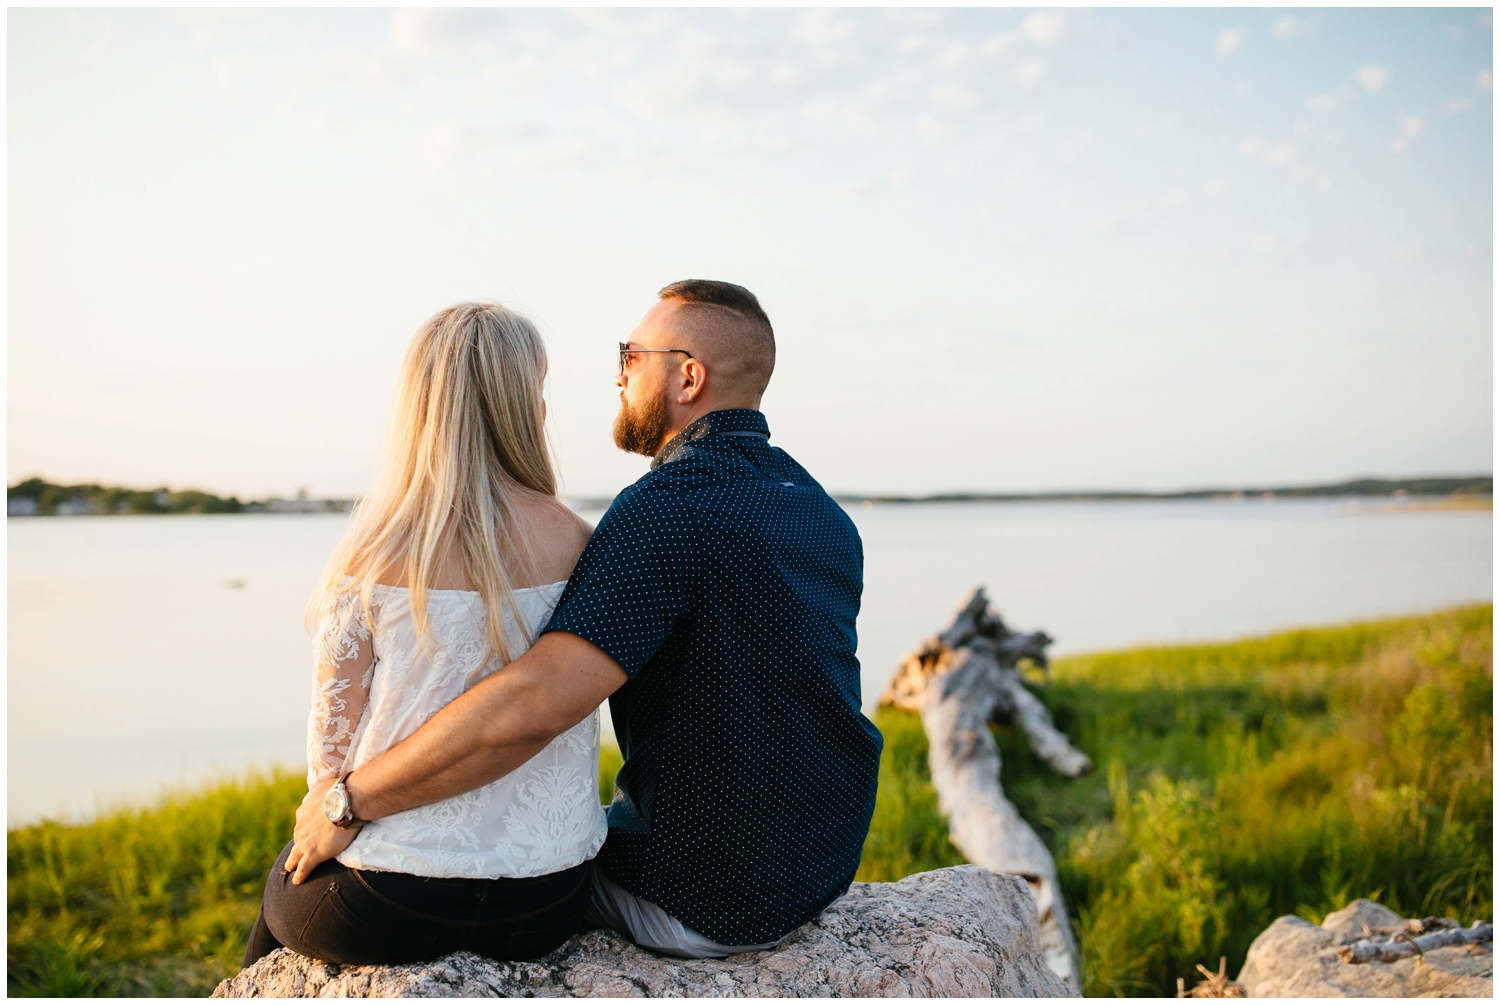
(557, 537)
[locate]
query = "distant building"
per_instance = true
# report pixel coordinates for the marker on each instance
(20, 506)
(303, 505)
(76, 506)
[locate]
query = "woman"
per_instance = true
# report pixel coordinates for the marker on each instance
(451, 565)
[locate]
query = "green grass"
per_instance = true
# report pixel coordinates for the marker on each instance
(149, 902)
(1236, 783)
(157, 901)
(1233, 783)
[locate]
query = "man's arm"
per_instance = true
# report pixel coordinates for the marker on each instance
(484, 734)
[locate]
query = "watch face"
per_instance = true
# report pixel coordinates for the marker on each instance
(336, 804)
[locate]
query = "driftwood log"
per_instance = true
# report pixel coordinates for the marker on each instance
(958, 681)
(1294, 958)
(1439, 932)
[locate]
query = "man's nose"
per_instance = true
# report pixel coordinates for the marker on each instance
(620, 380)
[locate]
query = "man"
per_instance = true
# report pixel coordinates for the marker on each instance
(715, 607)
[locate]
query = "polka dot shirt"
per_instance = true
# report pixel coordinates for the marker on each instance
(726, 583)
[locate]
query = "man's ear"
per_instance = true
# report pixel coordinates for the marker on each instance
(693, 378)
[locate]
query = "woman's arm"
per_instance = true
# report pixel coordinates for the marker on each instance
(343, 665)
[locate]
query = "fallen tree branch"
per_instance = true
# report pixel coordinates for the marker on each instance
(957, 681)
(1404, 945)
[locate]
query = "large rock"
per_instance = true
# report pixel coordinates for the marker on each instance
(962, 931)
(1297, 959)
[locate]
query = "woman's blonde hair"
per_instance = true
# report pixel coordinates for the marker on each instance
(466, 433)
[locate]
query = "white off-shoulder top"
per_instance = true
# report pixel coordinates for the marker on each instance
(370, 692)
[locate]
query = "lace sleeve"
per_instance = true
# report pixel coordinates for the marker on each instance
(344, 662)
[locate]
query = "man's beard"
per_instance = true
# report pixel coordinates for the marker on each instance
(642, 428)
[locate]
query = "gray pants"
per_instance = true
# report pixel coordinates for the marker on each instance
(649, 927)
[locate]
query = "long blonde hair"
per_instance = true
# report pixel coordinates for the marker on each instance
(466, 434)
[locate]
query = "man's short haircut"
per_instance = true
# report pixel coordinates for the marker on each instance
(734, 321)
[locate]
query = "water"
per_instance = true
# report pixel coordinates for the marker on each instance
(147, 652)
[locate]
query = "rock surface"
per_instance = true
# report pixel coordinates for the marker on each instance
(962, 931)
(1297, 959)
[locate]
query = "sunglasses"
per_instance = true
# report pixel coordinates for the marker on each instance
(628, 355)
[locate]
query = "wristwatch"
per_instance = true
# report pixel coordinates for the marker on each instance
(337, 807)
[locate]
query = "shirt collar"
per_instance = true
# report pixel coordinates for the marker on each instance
(727, 420)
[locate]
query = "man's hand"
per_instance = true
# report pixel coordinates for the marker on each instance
(315, 839)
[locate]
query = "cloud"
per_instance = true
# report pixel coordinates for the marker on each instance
(1215, 187)
(1290, 26)
(1412, 126)
(1483, 82)
(1045, 27)
(1229, 40)
(1173, 199)
(1372, 77)
(953, 98)
(953, 57)
(901, 180)
(1030, 73)
(1330, 100)
(931, 130)
(1001, 42)
(1455, 105)
(415, 29)
(820, 29)
(1286, 155)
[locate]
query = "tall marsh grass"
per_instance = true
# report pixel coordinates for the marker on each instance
(1233, 783)
(1236, 783)
(148, 902)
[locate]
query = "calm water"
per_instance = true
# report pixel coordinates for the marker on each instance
(154, 651)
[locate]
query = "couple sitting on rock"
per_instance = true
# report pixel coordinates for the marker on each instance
(469, 627)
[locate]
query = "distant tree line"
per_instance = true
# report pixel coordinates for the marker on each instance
(43, 498)
(1461, 485)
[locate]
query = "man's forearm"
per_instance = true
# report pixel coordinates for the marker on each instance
(488, 732)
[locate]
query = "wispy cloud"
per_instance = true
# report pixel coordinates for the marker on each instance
(1030, 73)
(1372, 77)
(1288, 155)
(1329, 100)
(1412, 126)
(1229, 41)
(1290, 26)
(1045, 27)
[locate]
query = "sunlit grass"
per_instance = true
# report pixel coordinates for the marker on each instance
(149, 902)
(1234, 783)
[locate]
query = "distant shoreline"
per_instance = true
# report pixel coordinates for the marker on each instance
(35, 497)
(1398, 488)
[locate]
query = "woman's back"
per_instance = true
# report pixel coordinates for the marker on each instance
(543, 817)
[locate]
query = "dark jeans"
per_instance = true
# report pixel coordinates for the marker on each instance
(349, 916)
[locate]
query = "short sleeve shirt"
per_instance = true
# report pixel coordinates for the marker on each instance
(726, 583)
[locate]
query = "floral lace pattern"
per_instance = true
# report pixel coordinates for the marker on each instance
(338, 659)
(543, 817)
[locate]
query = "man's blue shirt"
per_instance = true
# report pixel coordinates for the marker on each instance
(726, 584)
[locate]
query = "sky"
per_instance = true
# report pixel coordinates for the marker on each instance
(1003, 250)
